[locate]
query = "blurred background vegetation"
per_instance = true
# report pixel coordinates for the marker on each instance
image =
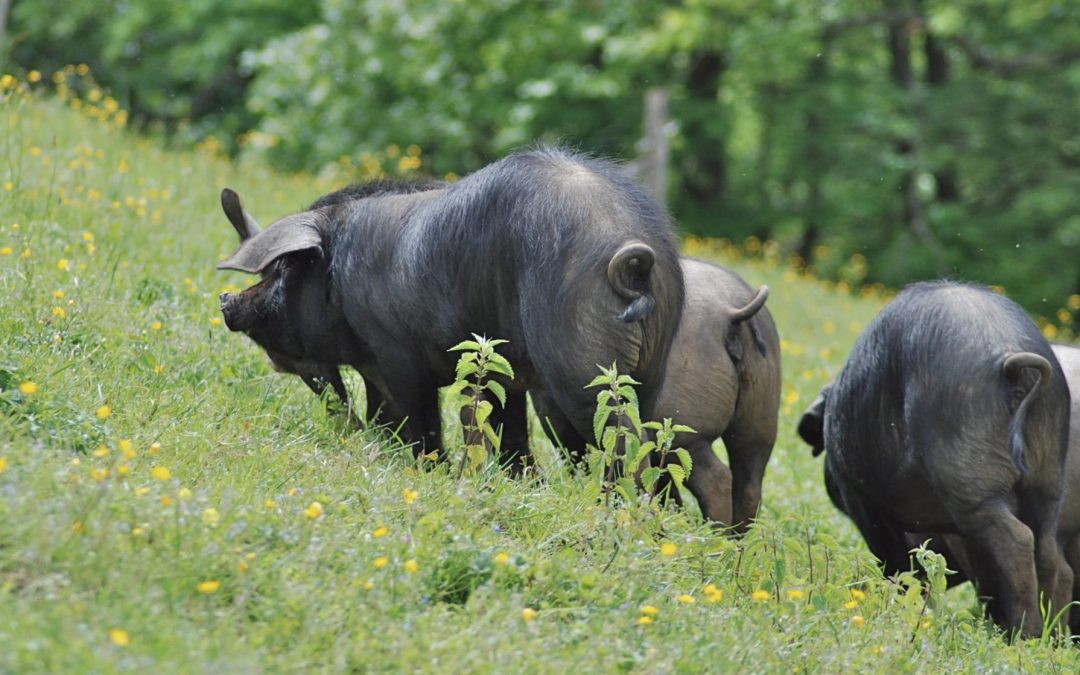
(877, 140)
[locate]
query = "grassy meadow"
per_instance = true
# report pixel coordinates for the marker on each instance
(169, 503)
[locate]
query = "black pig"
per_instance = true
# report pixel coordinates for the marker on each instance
(951, 416)
(561, 254)
(722, 380)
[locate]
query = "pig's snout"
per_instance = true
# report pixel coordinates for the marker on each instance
(232, 308)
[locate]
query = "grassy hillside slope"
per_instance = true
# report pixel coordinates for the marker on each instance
(169, 503)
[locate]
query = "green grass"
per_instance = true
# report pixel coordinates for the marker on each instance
(88, 559)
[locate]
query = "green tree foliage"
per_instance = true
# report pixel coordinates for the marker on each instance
(923, 137)
(173, 62)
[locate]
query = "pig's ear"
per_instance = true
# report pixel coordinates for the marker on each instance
(812, 423)
(246, 226)
(291, 234)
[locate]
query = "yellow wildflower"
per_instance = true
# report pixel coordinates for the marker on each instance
(103, 412)
(142, 491)
(857, 594)
(215, 321)
(33, 76)
(411, 566)
(858, 621)
(7, 250)
(137, 532)
(155, 448)
(99, 474)
(795, 594)
(161, 473)
(502, 558)
(208, 587)
(687, 599)
(649, 610)
(851, 604)
(409, 495)
(63, 264)
(127, 448)
(381, 562)
(270, 504)
(59, 312)
(380, 532)
(644, 620)
(760, 596)
(166, 500)
(668, 549)
(528, 614)
(156, 325)
(123, 469)
(211, 517)
(185, 493)
(314, 510)
(101, 451)
(3, 464)
(28, 388)
(119, 636)
(713, 593)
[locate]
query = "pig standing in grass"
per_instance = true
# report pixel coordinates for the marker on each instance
(723, 381)
(952, 416)
(561, 254)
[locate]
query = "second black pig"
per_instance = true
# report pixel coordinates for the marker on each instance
(723, 381)
(951, 416)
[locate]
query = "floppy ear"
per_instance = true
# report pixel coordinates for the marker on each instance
(291, 234)
(812, 423)
(246, 226)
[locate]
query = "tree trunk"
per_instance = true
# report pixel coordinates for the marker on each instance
(656, 152)
(705, 169)
(5, 6)
(902, 74)
(815, 162)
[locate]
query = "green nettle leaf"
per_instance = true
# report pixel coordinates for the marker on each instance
(625, 487)
(498, 364)
(468, 345)
(610, 439)
(483, 412)
(492, 437)
(649, 477)
(456, 388)
(498, 390)
(647, 447)
(600, 418)
(678, 475)
(598, 381)
(683, 429)
(685, 460)
(465, 369)
(477, 454)
(634, 417)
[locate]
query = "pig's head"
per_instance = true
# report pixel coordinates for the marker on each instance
(285, 313)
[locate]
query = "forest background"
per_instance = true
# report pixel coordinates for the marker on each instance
(877, 141)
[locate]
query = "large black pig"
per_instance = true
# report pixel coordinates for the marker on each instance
(952, 546)
(722, 380)
(952, 416)
(561, 254)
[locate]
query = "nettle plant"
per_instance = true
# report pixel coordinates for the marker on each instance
(471, 395)
(617, 422)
